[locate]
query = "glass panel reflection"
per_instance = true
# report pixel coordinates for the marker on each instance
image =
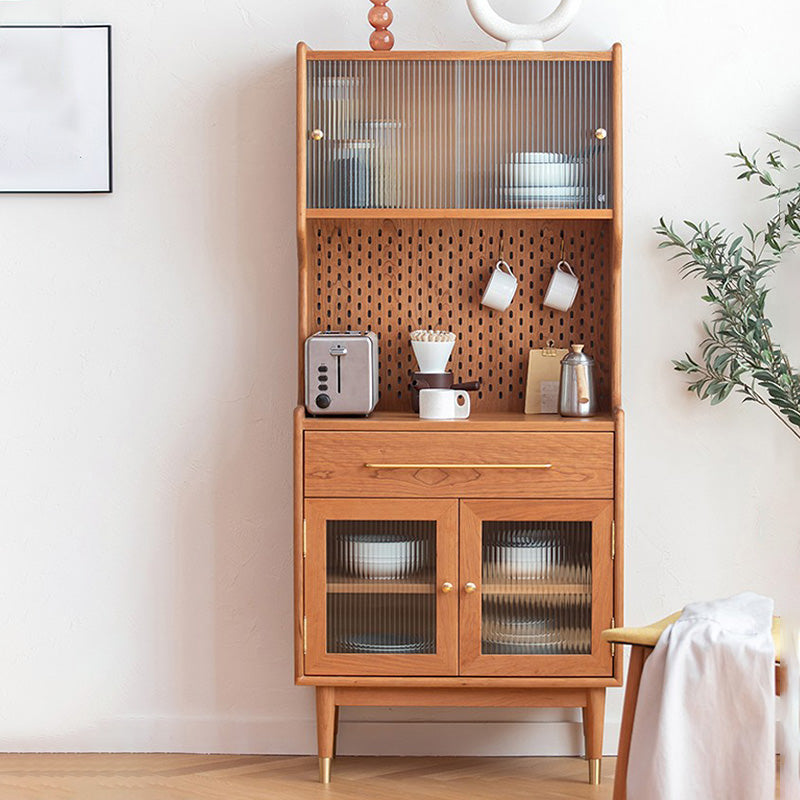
(463, 134)
(537, 588)
(381, 584)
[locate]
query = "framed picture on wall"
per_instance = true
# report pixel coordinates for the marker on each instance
(55, 108)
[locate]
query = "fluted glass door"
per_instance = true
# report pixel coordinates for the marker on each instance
(381, 586)
(380, 578)
(536, 595)
(537, 587)
(503, 132)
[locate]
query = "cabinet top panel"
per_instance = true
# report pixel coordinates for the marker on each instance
(480, 421)
(457, 55)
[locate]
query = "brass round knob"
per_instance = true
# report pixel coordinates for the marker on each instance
(470, 587)
(317, 134)
(447, 587)
(600, 133)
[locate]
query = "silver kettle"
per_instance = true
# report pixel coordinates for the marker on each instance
(577, 396)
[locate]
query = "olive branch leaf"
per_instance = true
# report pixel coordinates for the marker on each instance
(737, 352)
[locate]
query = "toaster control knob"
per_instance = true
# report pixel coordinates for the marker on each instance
(323, 401)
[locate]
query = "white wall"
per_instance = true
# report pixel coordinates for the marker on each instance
(146, 345)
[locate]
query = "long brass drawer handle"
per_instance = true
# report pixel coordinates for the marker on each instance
(458, 466)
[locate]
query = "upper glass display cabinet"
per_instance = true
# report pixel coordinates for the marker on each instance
(494, 133)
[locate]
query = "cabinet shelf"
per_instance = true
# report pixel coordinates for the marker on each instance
(379, 587)
(536, 588)
(459, 213)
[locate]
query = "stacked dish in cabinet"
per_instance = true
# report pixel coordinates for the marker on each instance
(543, 180)
(356, 156)
(381, 586)
(536, 594)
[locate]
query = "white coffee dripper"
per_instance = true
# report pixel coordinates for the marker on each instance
(433, 353)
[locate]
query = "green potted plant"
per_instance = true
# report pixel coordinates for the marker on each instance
(738, 352)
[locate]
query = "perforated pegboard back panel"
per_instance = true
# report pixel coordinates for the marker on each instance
(393, 276)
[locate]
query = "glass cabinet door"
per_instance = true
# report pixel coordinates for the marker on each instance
(536, 587)
(459, 133)
(381, 587)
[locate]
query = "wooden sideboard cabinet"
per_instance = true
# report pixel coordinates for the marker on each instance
(475, 562)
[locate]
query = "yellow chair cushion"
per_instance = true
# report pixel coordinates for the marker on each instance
(648, 635)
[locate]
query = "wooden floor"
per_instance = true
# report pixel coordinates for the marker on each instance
(189, 777)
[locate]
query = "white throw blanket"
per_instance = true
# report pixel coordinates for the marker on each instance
(705, 719)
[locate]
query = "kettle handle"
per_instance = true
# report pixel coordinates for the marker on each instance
(582, 380)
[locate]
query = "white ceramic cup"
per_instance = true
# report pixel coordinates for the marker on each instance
(443, 404)
(563, 288)
(501, 288)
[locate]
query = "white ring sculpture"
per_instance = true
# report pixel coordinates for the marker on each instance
(519, 36)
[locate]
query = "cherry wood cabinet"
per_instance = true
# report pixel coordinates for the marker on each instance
(471, 562)
(448, 587)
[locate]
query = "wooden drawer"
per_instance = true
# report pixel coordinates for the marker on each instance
(469, 464)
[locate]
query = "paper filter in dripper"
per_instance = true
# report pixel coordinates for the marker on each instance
(432, 349)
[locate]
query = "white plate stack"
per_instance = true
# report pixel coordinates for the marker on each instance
(528, 635)
(386, 643)
(380, 557)
(543, 180)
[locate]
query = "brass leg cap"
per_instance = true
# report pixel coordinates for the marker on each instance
(594, 771)
(325, 770)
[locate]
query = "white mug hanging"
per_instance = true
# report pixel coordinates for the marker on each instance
(501, 288)
(521, 36)
(563, 288)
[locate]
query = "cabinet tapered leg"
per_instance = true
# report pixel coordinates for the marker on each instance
(593, 714)
(335, 730)
(326, 727)
(585, 740)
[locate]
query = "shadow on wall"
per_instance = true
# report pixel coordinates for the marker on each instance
(234, 540)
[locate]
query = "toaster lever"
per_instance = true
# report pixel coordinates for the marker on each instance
(337, 351)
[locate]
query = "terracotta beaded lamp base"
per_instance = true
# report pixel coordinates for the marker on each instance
(380, 17)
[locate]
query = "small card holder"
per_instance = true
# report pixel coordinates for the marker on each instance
(544, 375)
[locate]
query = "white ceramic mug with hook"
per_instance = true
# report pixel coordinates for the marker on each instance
(501, 288)
(563, 288)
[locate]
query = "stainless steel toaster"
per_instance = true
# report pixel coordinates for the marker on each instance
(341, 372)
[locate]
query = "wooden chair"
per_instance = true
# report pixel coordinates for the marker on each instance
(642, 642)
